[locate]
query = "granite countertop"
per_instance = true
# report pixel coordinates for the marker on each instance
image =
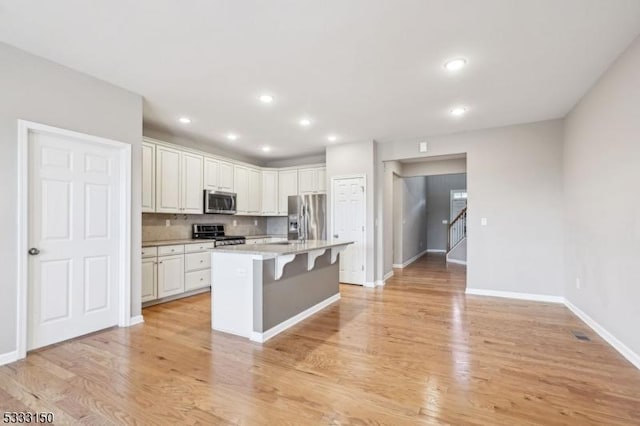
(269, 251)
(192, 241)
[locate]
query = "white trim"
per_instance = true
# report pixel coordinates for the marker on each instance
(513, 295)
(369, 284)
(384, 279)
(410, 261)
(459, 262)
(124, 287)
(436, 251)
(138, 319)
(624, 350)
(263, 337)
(9, 357)
(362, 176)
(388, 275)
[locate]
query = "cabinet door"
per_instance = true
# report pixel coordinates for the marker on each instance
(149, 279)
(269, 193)
(148, 177)
(211, 173)
(168, 198)
(225, 182)
(192, 173)
(307, 181)
(287, 185)
(255, 191)
(322, 180)
(241, 184)
(170, 275)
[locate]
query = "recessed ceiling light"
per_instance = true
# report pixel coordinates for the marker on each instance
(305, 122)
(458, 111)
(266, 148)
(232, 136)
(332, 138)
(455, 64)
(266, 99)
(184, 120)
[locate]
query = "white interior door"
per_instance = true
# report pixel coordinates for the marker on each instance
(74, 229)
(349, 224)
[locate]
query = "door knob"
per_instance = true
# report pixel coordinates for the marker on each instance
(336, 236)
(34, 251)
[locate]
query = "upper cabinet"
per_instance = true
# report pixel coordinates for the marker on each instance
(312, 180)
(179, 181)
(218, 175)
(287, 186)
(269, 192)
(148, 177)
(174, 177)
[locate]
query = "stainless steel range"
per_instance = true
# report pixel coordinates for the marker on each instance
(215, 232)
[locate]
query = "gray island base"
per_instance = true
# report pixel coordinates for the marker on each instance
(261, 290)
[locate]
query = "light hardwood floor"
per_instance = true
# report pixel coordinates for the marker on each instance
(417, 351)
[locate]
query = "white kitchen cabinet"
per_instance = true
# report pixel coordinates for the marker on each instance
(312, 180)
(225, 181)
(211, 174)
(253, 241)
(241, 185)
(168, 198)
(269, 192)
(149, 290)
(170, 275)
(192, 186)
(287, 186)
(218, 175)
(255, 191)
(148, 177)
(179, 181)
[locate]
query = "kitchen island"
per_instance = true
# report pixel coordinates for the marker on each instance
(261, 290)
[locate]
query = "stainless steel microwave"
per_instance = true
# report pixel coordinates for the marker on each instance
(219, 202)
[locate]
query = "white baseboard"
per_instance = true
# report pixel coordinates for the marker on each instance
(436, 251)
(513, 295)
(624, 350)
(456, 261)
(383, 281)
(263, 337)
(138, 319)
(370, 284)
(9, 357)
(410, 261)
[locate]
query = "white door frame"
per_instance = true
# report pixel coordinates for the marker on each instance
(364, 216)
(124, 286)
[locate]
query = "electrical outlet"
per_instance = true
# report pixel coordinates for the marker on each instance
(235, 222)
(578, 283)
(483, 221)
(423, 147)
(255, 222)
(167, 223)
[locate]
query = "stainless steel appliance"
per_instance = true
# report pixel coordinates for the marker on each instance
(215, 232)
(307, 217)
(219, 202)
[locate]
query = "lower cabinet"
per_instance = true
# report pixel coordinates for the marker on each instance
(149, 279)
(170, 275)
(175, 269)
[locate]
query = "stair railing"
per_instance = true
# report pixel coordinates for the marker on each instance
(457, 229)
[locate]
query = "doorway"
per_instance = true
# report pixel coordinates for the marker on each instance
(348, 207)
(75, 211)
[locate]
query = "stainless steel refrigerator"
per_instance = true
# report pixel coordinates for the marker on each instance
(307, 217)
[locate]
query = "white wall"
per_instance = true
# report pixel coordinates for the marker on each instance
(440, 167)
(35, 89)
(514, 179)
(356, 159)
(414, 216)
(602, 173)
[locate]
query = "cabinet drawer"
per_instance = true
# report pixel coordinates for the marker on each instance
(192, 248)
(169, 250)
(197, 279)
(195, 261)
(149, 252)
(255, 241)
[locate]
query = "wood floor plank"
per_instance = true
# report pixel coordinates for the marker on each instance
(417, 351)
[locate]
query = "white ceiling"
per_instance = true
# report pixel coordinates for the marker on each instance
(362, 69)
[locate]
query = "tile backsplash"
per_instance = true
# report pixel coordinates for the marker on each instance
(154, 225)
